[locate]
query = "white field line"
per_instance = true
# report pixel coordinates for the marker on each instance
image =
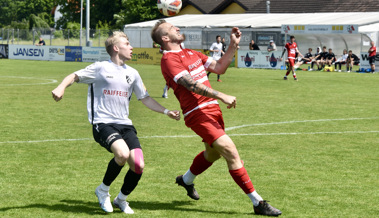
(299, 121)
(48, 81)
(192, 136)
(230, 128)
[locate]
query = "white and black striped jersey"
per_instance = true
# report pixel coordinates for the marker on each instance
(110, 88)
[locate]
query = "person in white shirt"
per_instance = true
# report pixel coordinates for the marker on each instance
(341, 60)
(110, 87)
(216, 48)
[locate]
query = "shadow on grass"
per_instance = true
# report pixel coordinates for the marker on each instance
(92, 208)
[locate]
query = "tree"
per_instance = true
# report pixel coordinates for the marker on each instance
(137, 11)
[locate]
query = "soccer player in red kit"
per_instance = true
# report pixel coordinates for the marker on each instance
(291, 48)
(185, 72)
(371, 56)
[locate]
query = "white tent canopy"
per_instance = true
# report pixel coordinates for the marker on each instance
(206, 27)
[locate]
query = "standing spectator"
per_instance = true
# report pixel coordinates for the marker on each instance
(330, 57)
(316, 58)
(292, 49)
(223, 46)
(217, 49)
(271, 46)
(352, 60)
(253, 46)
(371, 56)
(41, 42)
(341, 60)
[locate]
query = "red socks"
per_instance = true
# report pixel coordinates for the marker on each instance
(199, 164)
(242, 179)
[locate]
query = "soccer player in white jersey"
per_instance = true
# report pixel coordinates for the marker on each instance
(217, 50)
(110, 87)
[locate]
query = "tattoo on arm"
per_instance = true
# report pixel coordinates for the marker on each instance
(197, 87)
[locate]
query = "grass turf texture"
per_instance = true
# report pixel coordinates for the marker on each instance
(325, 168)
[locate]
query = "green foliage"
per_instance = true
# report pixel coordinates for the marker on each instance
(72, 30)
(102, 29)
(58, 34)
(137, 11)
(17, 10)
(37, 22)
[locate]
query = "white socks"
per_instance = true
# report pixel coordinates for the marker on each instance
(104, 187)
(188, 177)
(255, 198)
(121, 196)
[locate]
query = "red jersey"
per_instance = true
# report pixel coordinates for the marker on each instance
(291, 49)
(174, 65)
(373, 53)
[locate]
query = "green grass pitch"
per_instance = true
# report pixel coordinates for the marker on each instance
(311, 147)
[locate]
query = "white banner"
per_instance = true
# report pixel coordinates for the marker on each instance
(364, 63)
(33, 52)
(320, 29)
(93, 54)
(258, 59)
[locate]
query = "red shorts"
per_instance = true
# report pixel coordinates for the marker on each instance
(291, 62)
(207, 123)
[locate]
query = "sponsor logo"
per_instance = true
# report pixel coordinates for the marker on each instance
(195, 65)
(59, 51)
(115, 93)
(248, 60)
(29, 52)
(273, 60)
(143, 55)
(128, 80)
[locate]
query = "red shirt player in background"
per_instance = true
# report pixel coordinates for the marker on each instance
(291, 48)
(371, 56)
(185, 72)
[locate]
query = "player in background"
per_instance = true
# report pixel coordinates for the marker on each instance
(185, 72)
(308, 57)
(322, 60)
(351, 60)
(110, 87)
(341, 60)
(291, 48)
(217, 49)
(316, 58)
(371, 56)
(330, 57)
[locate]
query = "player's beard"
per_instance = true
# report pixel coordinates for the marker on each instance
(178, 40)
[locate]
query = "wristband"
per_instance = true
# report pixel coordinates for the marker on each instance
(166, 111)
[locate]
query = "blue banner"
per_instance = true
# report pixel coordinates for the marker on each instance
(73, 53)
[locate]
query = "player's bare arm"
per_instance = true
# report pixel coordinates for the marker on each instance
(68, 81)
(155, 106)
(220, 66)
(201, 89)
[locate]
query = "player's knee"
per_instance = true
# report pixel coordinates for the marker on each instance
(122, 158)
(138, 168)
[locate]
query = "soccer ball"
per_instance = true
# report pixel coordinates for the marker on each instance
(169, 7)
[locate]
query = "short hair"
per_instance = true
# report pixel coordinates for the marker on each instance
(292, 37)
(330, 49)
(323, 47)
(113, 40)
(310, 49)
(218, 36)
(351, 51)
(157, 33)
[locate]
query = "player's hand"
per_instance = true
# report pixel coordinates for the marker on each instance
(229, 100)
(174, 115)
(280, 59)
(235, 36)
(58, 94)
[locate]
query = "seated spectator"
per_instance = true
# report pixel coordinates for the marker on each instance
(316, 58)
(253, 46)
(271, 46)
(41, 42)
(341, 60)
(307, 58)
(322, 58)
(330, 57)
(351, 60)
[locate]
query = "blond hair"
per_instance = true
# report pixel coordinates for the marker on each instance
(113, 40)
